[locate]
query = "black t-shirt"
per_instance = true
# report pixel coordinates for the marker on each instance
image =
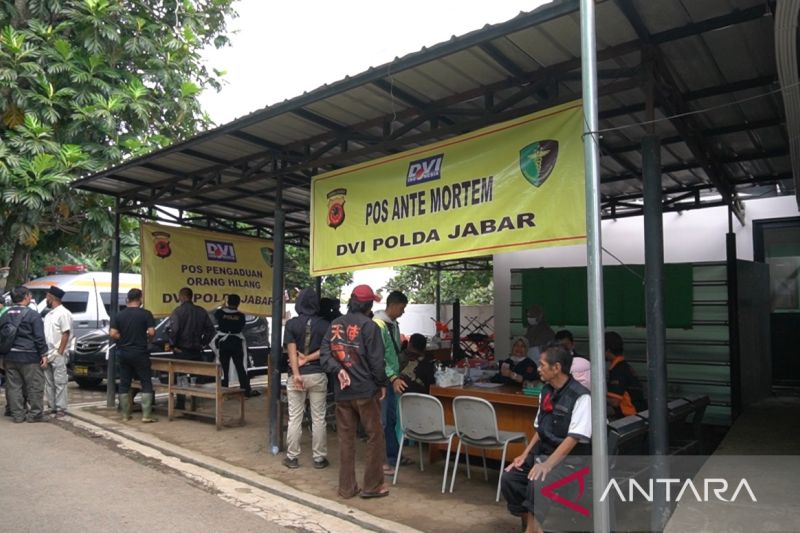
(624, 384)
(297, 329)
(132, 324)
(229, 321)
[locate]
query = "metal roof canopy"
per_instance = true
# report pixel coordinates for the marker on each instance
(716, 57)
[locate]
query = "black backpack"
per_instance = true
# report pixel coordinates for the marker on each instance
(8, 330)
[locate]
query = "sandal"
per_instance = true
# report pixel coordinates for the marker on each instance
(356, 493)
(406, 461)
(380, 494)
(388, 470)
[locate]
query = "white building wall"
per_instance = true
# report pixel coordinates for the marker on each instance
(691, 236)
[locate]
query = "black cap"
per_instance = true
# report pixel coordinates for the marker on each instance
(55, 291)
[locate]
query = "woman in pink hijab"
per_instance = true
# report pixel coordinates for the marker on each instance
(581, 372)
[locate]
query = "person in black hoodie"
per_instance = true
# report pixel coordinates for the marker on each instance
(303, 336)
(352, 353)
(26, 360)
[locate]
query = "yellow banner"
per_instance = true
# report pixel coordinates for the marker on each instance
(511, 186)
(212, 264)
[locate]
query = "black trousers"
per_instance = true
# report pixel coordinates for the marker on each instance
(231, 348)
(525, 496)
(134, 364)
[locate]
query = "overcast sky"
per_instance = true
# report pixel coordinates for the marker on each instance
(282, 49)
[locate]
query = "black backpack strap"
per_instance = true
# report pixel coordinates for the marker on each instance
(307, 341)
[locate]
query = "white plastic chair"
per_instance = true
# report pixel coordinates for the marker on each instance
(422, 420)
(476, 426)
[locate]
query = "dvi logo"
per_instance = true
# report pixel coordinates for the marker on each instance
(220, 251)
(423, 170)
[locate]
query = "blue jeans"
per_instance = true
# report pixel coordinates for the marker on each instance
(389, 423)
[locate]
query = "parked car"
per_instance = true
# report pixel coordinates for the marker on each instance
(88, 364)
(88, 294)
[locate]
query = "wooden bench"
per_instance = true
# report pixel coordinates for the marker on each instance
(175, 367)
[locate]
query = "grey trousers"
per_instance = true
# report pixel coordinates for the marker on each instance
(55, 384)
(315, 388)
(25, 380)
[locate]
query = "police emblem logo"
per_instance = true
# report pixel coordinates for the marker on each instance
(336, 200)
(161, 244)
(537, 161)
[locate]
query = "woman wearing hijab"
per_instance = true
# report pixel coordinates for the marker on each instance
(518, 368)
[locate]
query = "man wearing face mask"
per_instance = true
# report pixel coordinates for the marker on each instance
(539, 333)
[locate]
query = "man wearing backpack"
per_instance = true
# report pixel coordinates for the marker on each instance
(23, 345)
(303, 335)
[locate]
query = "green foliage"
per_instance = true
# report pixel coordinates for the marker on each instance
(297, 277)
(83, 85)
(419, 284)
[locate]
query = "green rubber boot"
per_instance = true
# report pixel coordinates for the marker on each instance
(147, 408)
(125, 406)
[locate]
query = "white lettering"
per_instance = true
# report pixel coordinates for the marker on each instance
(717, 492)
(743, 483)
(613, 483)
(689, 484)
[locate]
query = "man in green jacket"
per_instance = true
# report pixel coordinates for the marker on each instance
(390, 332)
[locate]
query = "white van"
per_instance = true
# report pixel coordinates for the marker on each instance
(88, 295)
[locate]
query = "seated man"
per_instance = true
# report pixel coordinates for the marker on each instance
(625, 391)
(565, 338)
(518, 368)
(562, 440)
(421, 367)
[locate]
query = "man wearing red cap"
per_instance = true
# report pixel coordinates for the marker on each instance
(352, 351)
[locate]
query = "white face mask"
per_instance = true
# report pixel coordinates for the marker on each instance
(517, 358)
(533, 321)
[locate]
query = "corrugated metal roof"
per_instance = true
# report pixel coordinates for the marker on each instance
(707, 57)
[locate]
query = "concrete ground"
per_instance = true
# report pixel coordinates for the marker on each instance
(52, 479)
(762, 447)
(416, 501)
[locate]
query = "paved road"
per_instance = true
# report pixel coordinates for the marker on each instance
(54, 480)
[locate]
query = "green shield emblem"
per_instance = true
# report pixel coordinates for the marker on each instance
(266, 255)
(537, 161)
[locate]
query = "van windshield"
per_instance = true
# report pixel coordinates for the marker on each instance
(122, 301)
(76, 301)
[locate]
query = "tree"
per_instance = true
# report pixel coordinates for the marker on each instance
(297, 277)
(83, 85)
(471, 287)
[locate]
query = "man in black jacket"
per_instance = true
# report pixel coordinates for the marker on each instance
(26, 361)
(562, 440)
(190, 330)
(352, 354)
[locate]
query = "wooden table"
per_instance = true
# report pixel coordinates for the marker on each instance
(515, 411)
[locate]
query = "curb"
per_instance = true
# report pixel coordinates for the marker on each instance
(329, 507)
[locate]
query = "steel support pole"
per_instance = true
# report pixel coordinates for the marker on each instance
(656, 333)
(111, 373)
(277, 324)
(733, 319)
(594, 264)
(318, 286)
(438, 292)
(456, 343)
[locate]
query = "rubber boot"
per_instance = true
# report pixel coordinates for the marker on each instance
(147, 407)
(125, 406)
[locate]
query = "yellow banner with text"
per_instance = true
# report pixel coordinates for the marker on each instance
(212, 264)
(510, 186)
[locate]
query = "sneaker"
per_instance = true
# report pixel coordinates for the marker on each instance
(19, 420)
(252, 393)
(321, 463)
(291, 463)
(61, 414)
